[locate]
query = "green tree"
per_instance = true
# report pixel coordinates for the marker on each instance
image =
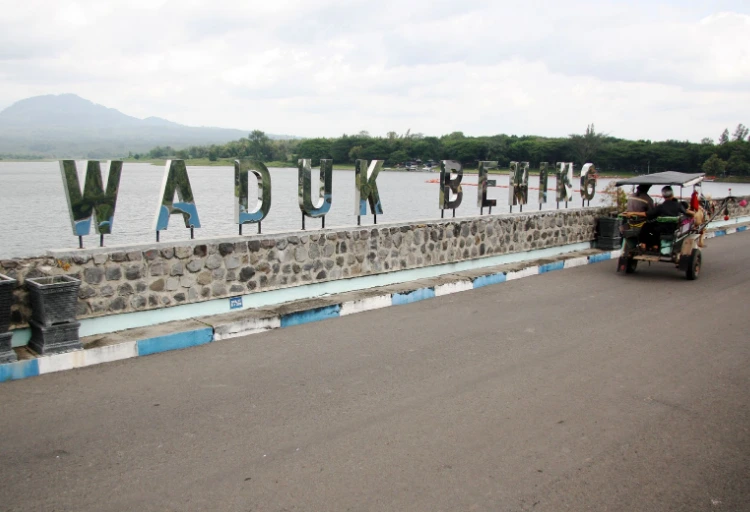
(737, 165)
(355, 153)
(740, 133)
(724, 137)
(586, 146)
(213, 153)
(314, 149)
(260, 147)
(714, 166)
(398, 156)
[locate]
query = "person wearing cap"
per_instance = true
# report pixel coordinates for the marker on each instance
(640, 201)
(670, 207)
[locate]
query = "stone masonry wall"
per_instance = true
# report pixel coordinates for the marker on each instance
(135, 278)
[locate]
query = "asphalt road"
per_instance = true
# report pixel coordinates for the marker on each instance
(575, 390)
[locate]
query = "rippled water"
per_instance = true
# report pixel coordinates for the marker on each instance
(34, 215)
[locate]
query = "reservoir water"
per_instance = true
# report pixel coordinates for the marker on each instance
(34, 213)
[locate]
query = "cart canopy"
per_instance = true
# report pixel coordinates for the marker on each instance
(680, 179)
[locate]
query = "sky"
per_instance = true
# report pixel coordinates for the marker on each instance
(636, 69)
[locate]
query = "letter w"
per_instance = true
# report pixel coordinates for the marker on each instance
(93, 199)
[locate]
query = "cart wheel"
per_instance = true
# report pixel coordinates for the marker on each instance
(694, 265)
(630, 265)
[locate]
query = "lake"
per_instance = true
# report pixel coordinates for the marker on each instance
(34, 213)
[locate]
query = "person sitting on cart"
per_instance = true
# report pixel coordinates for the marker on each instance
(652, 230)
(640, 201)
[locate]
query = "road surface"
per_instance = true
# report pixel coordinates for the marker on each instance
(580, 390)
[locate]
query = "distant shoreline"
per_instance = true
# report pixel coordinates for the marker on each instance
(229, 162)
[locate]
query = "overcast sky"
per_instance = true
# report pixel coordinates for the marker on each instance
(638, 69)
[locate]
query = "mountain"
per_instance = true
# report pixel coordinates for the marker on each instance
(68, 126)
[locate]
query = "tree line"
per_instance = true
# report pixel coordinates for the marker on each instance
(728, 156)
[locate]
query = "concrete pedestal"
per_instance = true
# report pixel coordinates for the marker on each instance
(7, 355)
(54, 339)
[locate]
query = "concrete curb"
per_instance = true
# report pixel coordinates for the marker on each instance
(179, 335)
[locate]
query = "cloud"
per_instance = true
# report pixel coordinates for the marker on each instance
(638, 69)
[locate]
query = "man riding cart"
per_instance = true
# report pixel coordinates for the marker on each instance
(670, 232)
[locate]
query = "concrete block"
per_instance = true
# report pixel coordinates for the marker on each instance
(367, 304)
(556, 265)
(60, 362)
(576, 262)
(399, 299)
(497, 278)
(109, 353)
(174, 341)
(524, 272)
(19, 370)
(242, 327)
(455, 287)
(310, 315)
(596, 258)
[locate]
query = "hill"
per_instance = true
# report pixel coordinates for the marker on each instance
(68, 126)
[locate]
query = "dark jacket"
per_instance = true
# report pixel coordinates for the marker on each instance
(669, 208)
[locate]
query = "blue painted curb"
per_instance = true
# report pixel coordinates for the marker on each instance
(311, 315)
(398, 299)
(720, 232)
(175, 341)
(549, 267)
(19, 370)
(498, 278)
(596, 258)
(742, 228)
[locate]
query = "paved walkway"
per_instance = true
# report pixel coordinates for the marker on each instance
(575, 390)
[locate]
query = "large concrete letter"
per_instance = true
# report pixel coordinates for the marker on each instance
(323, 187)
(483, 183)
(449, 183)
(588, 182)
(520, 180)
(242, 212)
(564, 181)
(176, 180)
(93, 199)
(543, 183)
(365, 187)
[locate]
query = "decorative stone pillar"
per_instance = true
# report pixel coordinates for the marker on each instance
(53, 314)
(7, 355)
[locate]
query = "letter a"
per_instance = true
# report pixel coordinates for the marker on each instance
(176, 180)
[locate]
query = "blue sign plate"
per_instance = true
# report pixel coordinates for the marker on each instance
(235, 302)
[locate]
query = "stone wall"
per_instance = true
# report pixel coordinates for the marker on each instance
(136, 278)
